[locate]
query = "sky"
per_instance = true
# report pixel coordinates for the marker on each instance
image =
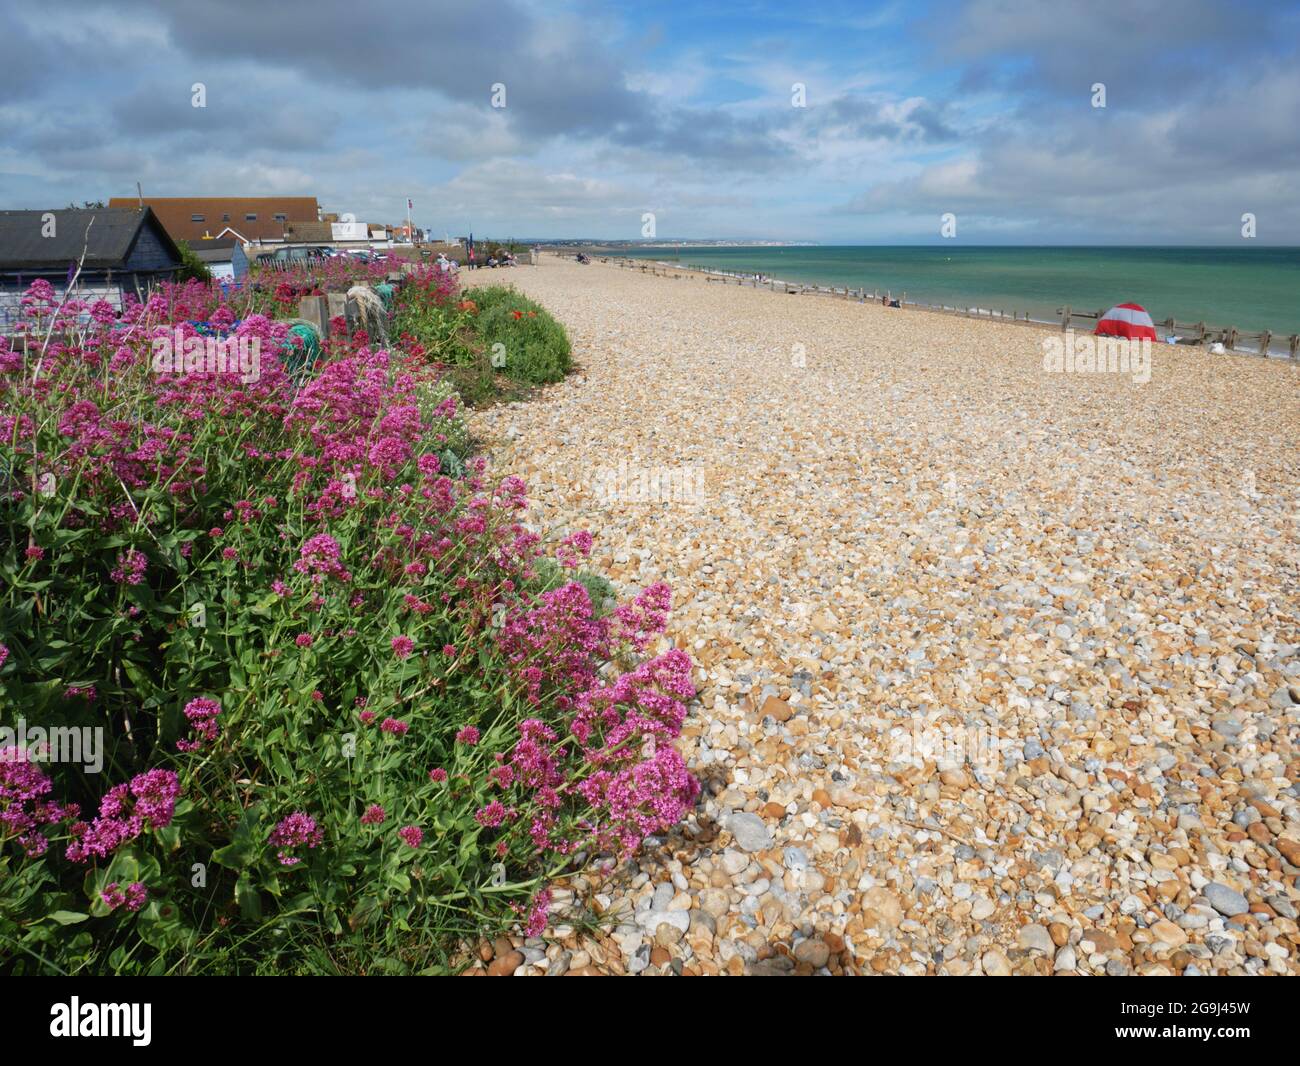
(847, 123)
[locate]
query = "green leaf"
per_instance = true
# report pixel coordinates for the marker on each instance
(248, 897)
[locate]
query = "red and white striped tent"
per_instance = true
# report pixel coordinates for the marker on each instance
(1127, 320)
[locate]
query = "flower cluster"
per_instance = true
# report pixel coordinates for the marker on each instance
(295, 831)
(202, 716)
(24, 812)
(126, 811)
(132, 898)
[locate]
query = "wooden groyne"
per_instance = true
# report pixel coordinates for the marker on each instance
(1230, 337)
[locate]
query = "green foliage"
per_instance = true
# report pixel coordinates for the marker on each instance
(489, 338)
(192, 267)
(534, 347)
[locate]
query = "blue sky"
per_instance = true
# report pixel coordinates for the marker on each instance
(982, 109)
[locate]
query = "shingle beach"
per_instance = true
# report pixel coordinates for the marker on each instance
(998, 669)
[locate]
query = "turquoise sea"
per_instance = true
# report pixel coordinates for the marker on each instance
(1249, 288)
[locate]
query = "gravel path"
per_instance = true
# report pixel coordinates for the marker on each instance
(999, 669)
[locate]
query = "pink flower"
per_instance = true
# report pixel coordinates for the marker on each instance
(202, 716)
(304, 640)
(535, 923)
(133, 898)
(130, 569)
(437, 775)
(296, 830)
(469, 735)
(493, 814)
(403, 646)
(366, 717)
(126, 811)
(411, 834)
(395, 726)
(321, 555)
(374, 815)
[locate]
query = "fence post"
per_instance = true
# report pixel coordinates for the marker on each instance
(1200, 332)
(1065, 319)
(1264, 338)
(1294, 344)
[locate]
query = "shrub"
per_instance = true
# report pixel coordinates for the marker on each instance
(192, 267)
(436, 324)
(479, 332)
(351, 710)
(535, 347)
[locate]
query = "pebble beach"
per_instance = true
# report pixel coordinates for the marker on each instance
(998, 669)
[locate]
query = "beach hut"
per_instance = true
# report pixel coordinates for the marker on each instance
(1127, 320)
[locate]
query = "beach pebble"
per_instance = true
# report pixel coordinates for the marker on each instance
(991, 675)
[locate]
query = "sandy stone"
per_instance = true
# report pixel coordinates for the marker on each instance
(505, 965)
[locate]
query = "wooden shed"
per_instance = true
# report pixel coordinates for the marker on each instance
(121, 251)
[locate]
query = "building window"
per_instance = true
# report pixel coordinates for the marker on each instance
(225, 217)
(282, 218)
(196, 218)
(250, 218)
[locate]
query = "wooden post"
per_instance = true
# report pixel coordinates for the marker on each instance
(1065, 319)
(1230, 338)
(315, 309)
(1294, 345)
(1200, 333)
(338, 305)
(1264, 338)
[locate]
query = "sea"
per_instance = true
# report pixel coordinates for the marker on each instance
(1251, 289)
